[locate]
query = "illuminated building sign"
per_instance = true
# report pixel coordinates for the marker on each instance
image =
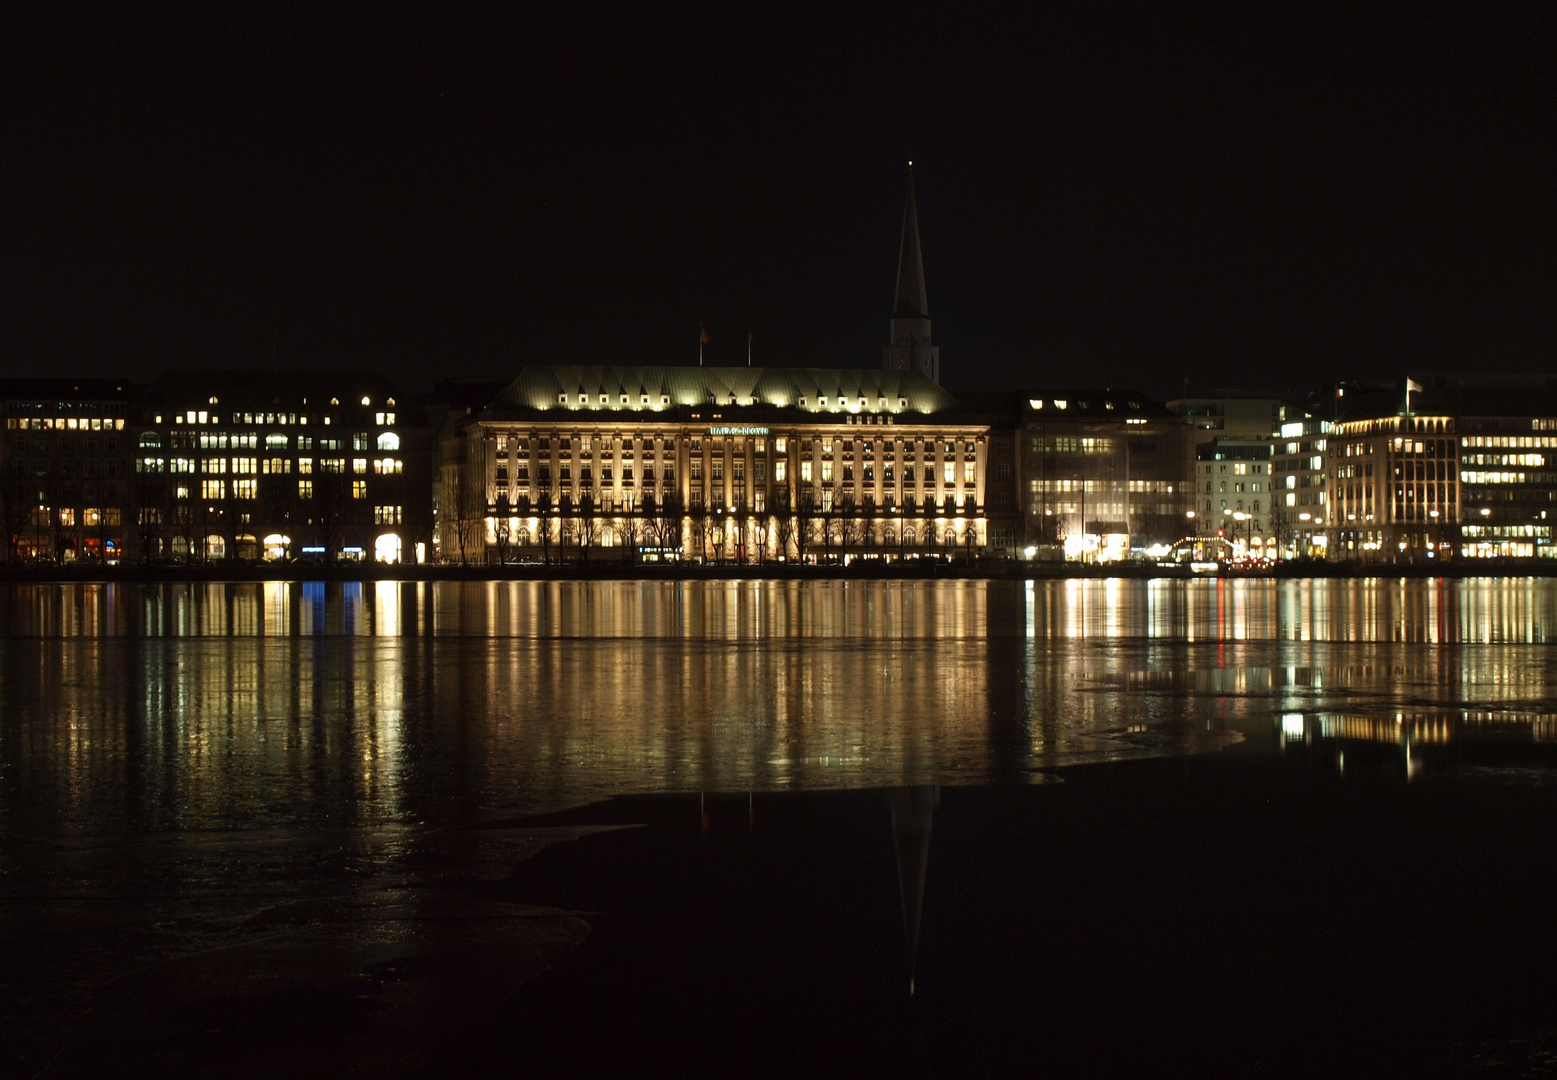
(737, 429)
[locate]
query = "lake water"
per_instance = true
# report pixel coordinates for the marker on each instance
(181, 762)
(132, 708)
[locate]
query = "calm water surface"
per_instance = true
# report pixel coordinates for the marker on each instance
(180, 762)
(155, 708)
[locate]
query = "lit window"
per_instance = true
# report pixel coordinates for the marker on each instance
(390, 441)
(359, 465)
(305, 488)
(359, 489)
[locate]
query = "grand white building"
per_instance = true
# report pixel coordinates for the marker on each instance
(726, 464)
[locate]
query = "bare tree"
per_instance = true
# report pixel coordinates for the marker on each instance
(806, 512)
(633, 528)
(858, 532)
(784, 519)
(696, 517)
(668, 522)
(502, 527)
(764, 524)
(463, 512)
(588, 530)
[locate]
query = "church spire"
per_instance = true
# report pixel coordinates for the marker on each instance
(909, 347)
(910, 262)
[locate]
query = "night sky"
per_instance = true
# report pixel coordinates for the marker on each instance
(1129, 194)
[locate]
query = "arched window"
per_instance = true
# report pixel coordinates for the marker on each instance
(150, 438)
(389, 441)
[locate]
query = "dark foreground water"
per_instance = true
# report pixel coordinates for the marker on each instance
(247, 829)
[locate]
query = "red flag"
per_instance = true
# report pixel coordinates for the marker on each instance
(702, 335)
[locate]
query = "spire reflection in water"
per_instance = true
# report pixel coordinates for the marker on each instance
(913, 816)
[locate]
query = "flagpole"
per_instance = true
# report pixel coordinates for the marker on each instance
(748, 344)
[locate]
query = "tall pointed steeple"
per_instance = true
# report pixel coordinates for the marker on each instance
(909, 347)
(911, 301)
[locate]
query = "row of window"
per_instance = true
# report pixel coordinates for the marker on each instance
(521, 444)
(69, 517)
(66, 445)
(269, 466)
(64, 423)
(211, 416)
(250, 440)
(249, 489)
(40, 467)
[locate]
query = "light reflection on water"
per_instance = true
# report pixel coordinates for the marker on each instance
(213, 705)
(201, 763)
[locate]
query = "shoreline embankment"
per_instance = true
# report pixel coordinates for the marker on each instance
(994, 570)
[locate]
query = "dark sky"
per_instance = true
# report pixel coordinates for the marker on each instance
(1132, 194)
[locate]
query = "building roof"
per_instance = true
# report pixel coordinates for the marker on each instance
(1233, 449)
(66, 389)
(1439, 399)
(583, 388)
(1098, 405)
(272, 387)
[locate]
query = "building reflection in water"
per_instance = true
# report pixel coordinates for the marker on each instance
(223, 703)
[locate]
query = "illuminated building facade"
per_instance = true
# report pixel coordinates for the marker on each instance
(1234, 497)
(1393, 480)
(1102, 473)
(315, 465)
(63, 468)
(1298, 485)
(720, 464)
(1508, 471)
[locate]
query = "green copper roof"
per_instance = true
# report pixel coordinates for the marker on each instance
(654, 389)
